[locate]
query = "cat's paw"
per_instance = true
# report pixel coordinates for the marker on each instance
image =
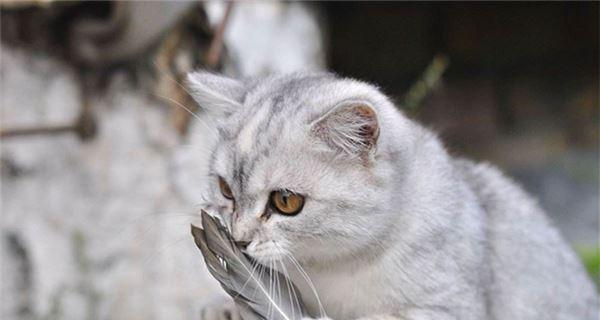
(221, 309)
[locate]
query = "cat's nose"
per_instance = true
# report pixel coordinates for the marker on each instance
(244, 228)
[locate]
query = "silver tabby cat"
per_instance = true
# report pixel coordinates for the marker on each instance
(325, 175)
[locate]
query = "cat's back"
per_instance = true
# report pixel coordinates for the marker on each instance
(535, 274)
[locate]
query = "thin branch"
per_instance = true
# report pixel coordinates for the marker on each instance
(211, 61)
(84, 126)
(428, 81)
(213, 56)
(39, 130)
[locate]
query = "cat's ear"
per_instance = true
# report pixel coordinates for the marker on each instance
(215, 93)
(351, 128)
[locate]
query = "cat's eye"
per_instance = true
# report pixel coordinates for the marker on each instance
(286, 202)
(225, 190)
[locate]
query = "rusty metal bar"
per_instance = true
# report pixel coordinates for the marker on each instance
(39, 130)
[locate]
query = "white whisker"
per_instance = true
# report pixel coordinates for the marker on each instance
(268, 294)
(306, 278)
(290, 286)
(248, 280)
(177, 103)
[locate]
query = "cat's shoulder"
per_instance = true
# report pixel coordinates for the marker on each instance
(495, 190)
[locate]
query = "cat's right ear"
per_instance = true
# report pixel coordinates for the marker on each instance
(350, 127)
(216, 94)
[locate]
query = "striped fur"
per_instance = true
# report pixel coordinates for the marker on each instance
(408, 232)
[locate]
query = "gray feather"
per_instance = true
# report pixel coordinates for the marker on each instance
(241, 280)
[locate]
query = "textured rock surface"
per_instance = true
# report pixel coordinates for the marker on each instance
(100, 229)
(261, 38)
(105, 233)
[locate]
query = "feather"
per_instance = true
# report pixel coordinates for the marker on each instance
(237, 273)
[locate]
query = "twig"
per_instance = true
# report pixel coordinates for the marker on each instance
(212, 60)
(428, 81)
(84, 126)
(39, 130)
(213, 55)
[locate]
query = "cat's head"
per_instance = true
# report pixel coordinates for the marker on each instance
(298, 163)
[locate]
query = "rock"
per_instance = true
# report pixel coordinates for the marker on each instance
(104, 223)
(100, 221)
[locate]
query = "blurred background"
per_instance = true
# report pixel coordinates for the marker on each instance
(95, 199)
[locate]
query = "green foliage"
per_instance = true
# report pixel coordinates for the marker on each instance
(591, 259)
(428, 81)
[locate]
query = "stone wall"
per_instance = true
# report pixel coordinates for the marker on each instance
(99, 228)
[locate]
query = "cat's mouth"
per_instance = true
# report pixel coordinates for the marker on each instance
(263, 252)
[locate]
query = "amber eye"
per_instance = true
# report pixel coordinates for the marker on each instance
(287, 202)
(225, 190)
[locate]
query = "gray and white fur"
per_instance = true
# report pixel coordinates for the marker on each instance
(393, 227)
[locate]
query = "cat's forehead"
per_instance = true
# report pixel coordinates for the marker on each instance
(295, 86)
(262, 138)
(285, 95)
(267, 165)
(265, 142)
(273, 106)
(271, 129)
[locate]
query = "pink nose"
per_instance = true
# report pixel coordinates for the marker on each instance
(244, 228)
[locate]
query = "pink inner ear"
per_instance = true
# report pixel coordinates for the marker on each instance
(369, 132)
(352, 128)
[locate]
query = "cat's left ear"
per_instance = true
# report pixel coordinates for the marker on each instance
(350, 127)
(215, 93)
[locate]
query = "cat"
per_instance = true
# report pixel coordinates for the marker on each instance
(324, 174)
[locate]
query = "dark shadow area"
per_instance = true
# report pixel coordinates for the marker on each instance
(521, 89)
